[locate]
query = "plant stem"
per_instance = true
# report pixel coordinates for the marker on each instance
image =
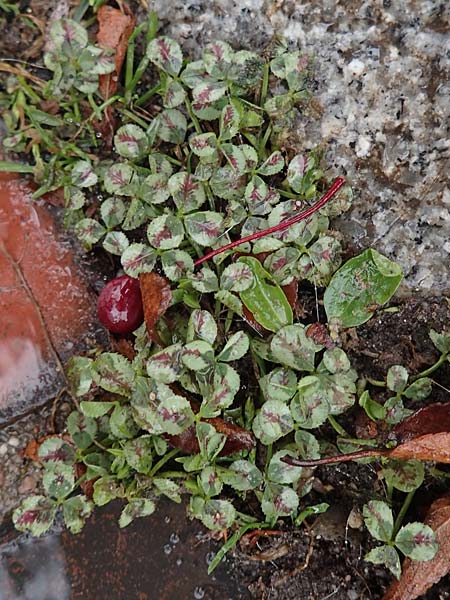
(163, 461)
(337, 184)
(264, 85)
(268, 456)
(232, 541)
(376, 382)
(194, 119)
(148, 94)
(338, 428)
(403, 511)
(332, 460)
(431, 369)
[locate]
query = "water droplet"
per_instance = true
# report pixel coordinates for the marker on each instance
(69, 120)
(167, 549)
(98, 135)
(199, 593)
(166, 519)
(174, 539)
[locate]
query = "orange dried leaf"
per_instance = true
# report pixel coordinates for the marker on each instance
(433, 446)
(115, 28)
(418, 577)
(434, 418)
(156, 297)
(31, 450)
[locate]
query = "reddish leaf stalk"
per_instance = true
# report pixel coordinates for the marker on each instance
(337, 184)
(332, 460)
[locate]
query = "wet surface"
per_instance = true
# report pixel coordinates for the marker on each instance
(163, 557)
(46, 309)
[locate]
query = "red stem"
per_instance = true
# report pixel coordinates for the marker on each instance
(337, 184)
(332, 460)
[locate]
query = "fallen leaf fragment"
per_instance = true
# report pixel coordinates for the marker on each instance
(86, 485)
(31, 450)
(433, 446)
(115, 28)
(124, 347)
(434, 418)
(237, 438)
(318, 333)
(418, 577)
(156, 297)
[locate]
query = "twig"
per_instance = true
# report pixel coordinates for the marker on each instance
(337, 184)
(299, 568)
(57, 398)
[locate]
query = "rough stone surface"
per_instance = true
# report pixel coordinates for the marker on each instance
(381, 78)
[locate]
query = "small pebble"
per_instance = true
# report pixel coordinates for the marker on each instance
(3, 449)
(14, 442)
(174, 539)
(28, 484)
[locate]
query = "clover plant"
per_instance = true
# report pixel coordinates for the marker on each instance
(201, 159)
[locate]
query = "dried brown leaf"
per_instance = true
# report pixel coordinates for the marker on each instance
(434, 418)
(433, 446)
(156, 297)
(418, 577)
(237, 438)
(115, 28)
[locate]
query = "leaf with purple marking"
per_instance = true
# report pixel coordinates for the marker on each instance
(208, 92)
(204, 227)
(118, 178)
(201, 325)
(36, 514)
(165, 232)
(166, 54)
(297, 169)
(217, 58)
(273, 164)
(229, 122)
(165, 365)
(138, 258)
(174, 93)
(272, 422)
(83, 175)
(154, 188)
(174, 411)
(177, 264)
(279, 501)
(203, 145)
(130, 141)
(89, 231)
(171, 126)
(187, 193)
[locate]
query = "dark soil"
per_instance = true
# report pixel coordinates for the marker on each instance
(279, 567)
(323, 559)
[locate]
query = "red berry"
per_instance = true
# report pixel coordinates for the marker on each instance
(119, 305)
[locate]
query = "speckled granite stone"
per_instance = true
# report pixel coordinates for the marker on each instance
(382, 80)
